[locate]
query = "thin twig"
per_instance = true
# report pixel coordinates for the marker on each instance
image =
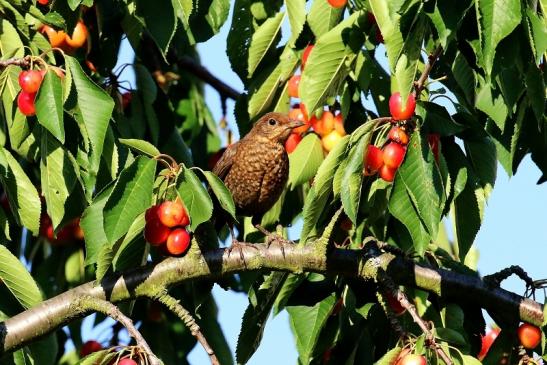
(174, 306)
(16, 61)
(109, 309)
(225, 90)
(392, 289)
(431, 59)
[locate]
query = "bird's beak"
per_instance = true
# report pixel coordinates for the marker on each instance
(293, 123)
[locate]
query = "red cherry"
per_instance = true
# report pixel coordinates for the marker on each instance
(155, 232)
(387, 173)
(30, 80)
(293, 141)
(339, 124)
(25, 102)
(43, 2)
(90, 347)
(394, 153)
(126, 99)
(293, 86)
(398, 135)
(46, 227)
(152, 213)
(374, 159)
(305, 55)
(529, 336)
(412, 359)
(434, 140)
(127, 361)
(178, 241)
(296, 113)
(487, 341)
(337, 3)
(172, 213)
(394, 304)
(399, 111)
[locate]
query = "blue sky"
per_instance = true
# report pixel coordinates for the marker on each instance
(513, 231)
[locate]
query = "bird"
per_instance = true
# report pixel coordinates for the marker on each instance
(256, 168)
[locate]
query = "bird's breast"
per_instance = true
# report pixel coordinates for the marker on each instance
(258, 175)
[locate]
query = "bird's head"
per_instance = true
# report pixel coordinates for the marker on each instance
(275, 126)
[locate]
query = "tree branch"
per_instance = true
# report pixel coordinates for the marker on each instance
(431, 59)
(17, 61)
(53, 313)
(225, 90)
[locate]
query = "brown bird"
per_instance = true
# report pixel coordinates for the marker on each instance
(256, 168)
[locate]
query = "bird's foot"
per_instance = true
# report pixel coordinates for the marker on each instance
(274, 237)
(236, 245)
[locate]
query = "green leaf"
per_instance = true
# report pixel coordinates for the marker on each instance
(263, 39)
(447, 16)
(222, 193)
(262, 94)
(92, 224)
(538, 34)
(296, 10)
(140, 146)
(10, 42)
(22, 194)
(104, 262)
(388, 19)
(352, 178)
(401, 207)
(49, 105)
(437, 119)
(18, 280)
(492, 103)
(467, 219)
(305, 160)
(323, 17)
(535, 89)
(195, 198)
(239, 37)
(307, 323)
(407, 63)
(58, 176)
(159, 19)
(326, 66)
(423, 182)
(94, 109)
(497, 20)
(256, 316)
(131, 196)
(389, 357)
(482, 156)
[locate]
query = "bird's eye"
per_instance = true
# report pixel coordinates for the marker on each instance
(272, 121)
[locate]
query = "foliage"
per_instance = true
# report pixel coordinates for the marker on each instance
(92, 156)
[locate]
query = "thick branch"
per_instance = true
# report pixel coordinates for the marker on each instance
(53, 313)
(225, 90)
(17, 61)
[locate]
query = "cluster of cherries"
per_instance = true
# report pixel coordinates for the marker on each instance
(71, 232)
(329, 127)
(64, 41)
(30, 82)
(386, 161)
(166, 227)
(529, 337)
(92, 346)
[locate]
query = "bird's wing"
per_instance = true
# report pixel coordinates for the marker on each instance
(225, 162)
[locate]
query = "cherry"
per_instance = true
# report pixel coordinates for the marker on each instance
(46, 227)
(292, 142)
(487, 341)
(56, 38)
(387, 173)
(346, 224)
(172, 213)
(331, 140)
(126, 99)
(213, 159)
(296, 113)
(337, 3)
(30, 80)
(306, 54)
(43, 2)
(90, 347)
(374, 159)
(151, 213)
(399, 111)
(394, 154)
(339, 124)
(325, 125)
(178, 241)
(156, 232)
(25, 102)
(127, 361)
(394, 304)
(529, 336)
(79, 35)
(398, 135)
(412, 359)
(293, 86)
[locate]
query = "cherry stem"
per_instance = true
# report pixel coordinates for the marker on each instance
(432, 58)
